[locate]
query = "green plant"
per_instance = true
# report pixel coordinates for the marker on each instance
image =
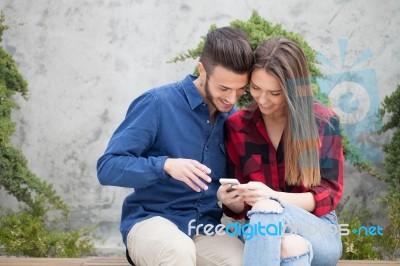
(30, 231)
(368, 247)
(391, 107)
(390, 245)
(358, 247)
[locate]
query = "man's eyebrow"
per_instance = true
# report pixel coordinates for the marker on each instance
(225, 87)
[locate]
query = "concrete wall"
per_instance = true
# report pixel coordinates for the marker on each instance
(86, 60)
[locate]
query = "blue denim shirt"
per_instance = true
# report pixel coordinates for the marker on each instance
(169, 121)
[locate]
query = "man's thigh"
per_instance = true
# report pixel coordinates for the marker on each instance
(158, 241)
(218, 250)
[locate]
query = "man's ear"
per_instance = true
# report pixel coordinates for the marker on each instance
(202, 73)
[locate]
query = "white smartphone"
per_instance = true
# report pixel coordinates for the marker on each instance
(229, 181)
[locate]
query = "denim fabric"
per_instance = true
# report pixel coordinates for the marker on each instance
(300, 260)
(321, 233)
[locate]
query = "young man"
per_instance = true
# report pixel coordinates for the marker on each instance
(170, 149)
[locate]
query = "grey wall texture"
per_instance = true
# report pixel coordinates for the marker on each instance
(85, 61)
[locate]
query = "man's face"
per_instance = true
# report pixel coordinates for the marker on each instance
(223, 88)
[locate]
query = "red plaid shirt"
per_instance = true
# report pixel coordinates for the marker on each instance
(252, 157)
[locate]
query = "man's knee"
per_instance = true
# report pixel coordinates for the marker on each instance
(234, 259)
(293, 245)
(158, 241)
(219, 250)
(182, 248)
(180, 251)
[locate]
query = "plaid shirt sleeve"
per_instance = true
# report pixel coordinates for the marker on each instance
(330, 190)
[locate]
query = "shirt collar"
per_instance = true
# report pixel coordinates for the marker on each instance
(193, 96)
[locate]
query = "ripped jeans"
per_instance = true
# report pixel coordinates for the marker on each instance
(267, 228)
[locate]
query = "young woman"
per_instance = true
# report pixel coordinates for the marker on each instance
(286, 151)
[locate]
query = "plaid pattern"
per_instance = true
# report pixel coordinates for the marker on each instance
(252, 157)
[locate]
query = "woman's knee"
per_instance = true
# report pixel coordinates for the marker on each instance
(293, 245)
(267, 205)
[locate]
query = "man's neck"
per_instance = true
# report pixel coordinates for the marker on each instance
(211, 107)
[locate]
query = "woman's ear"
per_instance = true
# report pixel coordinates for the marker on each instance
(202, 73)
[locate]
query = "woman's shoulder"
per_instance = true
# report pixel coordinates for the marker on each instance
(325, 116)
(240, 119)
(238, 114)
(241, 116)
(323, 111)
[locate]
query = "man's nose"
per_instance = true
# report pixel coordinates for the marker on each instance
(234, 96)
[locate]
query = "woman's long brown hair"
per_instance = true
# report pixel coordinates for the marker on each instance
(286, 62)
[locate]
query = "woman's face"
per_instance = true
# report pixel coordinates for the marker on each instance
(268, 93)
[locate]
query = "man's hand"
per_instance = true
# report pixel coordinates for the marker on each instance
(191, 172)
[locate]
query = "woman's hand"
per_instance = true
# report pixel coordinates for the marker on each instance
(230, 198)
(254, 191)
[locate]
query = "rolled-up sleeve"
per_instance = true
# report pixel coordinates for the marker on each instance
(328, 194)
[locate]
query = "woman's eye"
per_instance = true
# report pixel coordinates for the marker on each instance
(276, 93)
(254, 87)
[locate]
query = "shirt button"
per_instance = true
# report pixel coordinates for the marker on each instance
(208, 121)
(206, 148)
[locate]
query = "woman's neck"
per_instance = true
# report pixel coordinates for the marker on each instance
(275, 118)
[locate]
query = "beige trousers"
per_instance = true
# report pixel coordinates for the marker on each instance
(157, 241)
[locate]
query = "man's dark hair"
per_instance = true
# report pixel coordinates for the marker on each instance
(227, 47)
